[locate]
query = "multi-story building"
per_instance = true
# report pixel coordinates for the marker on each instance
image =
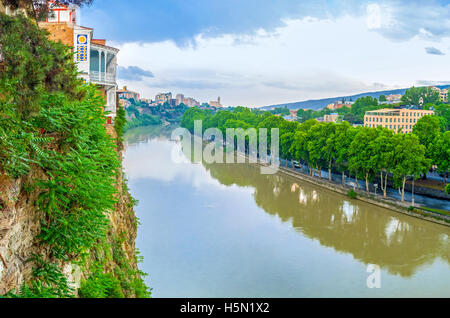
(97, 62)
(216, 104)
(163, 98)
(331, 118)
(443, 95)
(395, 119)
(125, 93)
(191, 102)
(394, 98)
(180, 99)
(124, 103)
(146, 100)
(337, 105)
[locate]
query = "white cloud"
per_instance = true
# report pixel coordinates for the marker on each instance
(306, 58)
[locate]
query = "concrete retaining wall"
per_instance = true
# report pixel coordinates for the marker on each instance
(372, 199)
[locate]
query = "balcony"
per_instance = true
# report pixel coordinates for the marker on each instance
(103, 64)
(102, 77)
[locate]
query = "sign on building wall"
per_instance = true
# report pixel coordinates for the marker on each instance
(82, 54)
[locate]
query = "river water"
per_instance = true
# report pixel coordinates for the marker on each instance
(225, 230)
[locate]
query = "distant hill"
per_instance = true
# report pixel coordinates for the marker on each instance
(317, 104)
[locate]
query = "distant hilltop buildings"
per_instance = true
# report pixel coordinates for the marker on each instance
(443, 94)
(337, 105)
(124, 93)
(163, 99)
(216, 104)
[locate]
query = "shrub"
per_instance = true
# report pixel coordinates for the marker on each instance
(100, 285)
(351, 194)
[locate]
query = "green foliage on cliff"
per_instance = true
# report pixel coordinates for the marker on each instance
(52, 122)
(33, 65)
(120, 122)
(125, 281)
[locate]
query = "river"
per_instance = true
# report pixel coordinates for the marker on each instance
(225, 230)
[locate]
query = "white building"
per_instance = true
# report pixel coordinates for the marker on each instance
(96, 61)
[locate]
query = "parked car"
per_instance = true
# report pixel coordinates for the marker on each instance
(296, 164)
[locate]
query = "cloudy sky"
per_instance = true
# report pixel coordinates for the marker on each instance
(262, 52)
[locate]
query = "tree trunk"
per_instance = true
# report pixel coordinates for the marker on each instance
(286, 162)
(343, 178)
(367, 182)
(329, 172)
(403, 189)
(356, 180)
(381, 181)
(385, 185)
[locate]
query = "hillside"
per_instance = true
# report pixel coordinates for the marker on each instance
(317, 104)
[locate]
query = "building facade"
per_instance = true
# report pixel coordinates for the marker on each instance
(163, 98)
(97, 62)
(191, 102)
(216, 104)
(394, 98)
(443, 95)
(331, 118)
(397, 120)
(338, 105)
(180, 99)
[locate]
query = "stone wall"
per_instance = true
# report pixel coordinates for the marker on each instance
(19, 225)
(59, 32)
(393, 205)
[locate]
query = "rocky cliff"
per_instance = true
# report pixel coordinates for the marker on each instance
(20, 226)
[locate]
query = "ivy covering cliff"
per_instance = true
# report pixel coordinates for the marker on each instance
(53, 135)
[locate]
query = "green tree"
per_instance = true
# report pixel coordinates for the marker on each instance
(286, 141)
(191, 115)
(440, 153)
(408, 160)
(343, 138)
(363, 154)
(384, 147)
(39, 10)
(427, 129)
(416, 95)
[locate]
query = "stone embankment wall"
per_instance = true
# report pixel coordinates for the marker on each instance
(372, 199)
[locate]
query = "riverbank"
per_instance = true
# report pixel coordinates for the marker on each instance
(394, 205)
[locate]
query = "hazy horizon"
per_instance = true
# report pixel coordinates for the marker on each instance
(269, 53)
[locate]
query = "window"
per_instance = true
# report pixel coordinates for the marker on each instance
(64, 16)
(53, 16)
